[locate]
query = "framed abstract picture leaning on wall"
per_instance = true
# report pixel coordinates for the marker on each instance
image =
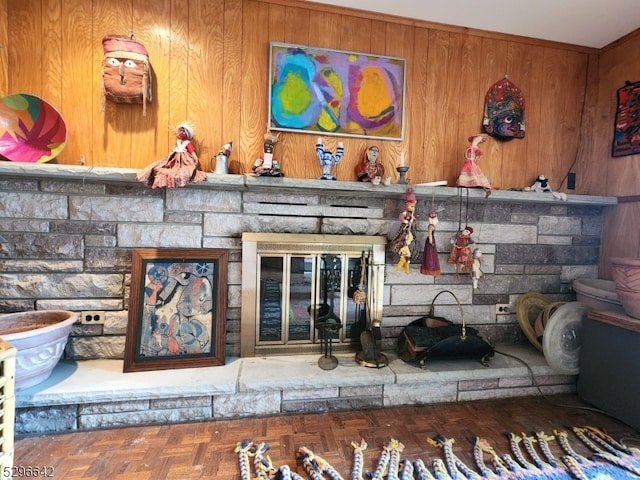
(315, 90)
(177, 309)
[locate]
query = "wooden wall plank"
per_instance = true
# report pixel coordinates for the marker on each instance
(25, 48)
(79, 58)
(148, 133)
(229, 128)
(211, 66)
(113, 133)
(4, 48)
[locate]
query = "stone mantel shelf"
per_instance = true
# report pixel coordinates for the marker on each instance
(291, 185)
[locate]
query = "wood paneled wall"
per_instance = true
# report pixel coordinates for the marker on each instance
(210, 63)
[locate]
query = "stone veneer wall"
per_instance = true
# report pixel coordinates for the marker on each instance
(67, 233)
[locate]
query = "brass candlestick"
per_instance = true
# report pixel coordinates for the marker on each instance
(402, 171)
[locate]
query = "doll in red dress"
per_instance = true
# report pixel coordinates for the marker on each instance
(179, 168)
(471, 175)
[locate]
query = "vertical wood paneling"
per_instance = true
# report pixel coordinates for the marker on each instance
(229, 128)
(619, 235)
(521, 162)
(206, 66)
(113, 133)
(52, 45)
(178, 71)
(80, 111)
(25, 47)
(210, 61)
(4, 48)
(255, 48)
(149, 26)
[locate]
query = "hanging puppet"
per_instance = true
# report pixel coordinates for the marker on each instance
(327, 159)
(179, 168)
(266, 165)
(504, 111)
(404, 242)
(476, 267)
(461, 253)
(126, 71)
(430, 262)
(471, 174)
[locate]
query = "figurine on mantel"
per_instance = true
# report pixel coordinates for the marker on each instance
(370, 169)
(541, 184)
(179, 168)
(327, 159)
(471, 175)
(266, 165)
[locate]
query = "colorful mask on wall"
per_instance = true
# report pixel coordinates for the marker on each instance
(126, 72)
(504, 110)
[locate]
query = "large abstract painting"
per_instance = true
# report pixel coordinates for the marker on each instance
(314, 90)
(177, 311)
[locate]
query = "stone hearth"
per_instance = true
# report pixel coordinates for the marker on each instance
(95, 394)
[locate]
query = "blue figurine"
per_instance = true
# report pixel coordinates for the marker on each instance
(327, 159)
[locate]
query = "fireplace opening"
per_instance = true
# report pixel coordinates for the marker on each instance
(291, 283)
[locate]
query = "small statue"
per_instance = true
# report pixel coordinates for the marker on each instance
(179, 168)
(476, 267)
(471, 175)
(222, 159)
(327, 159)
(369, 169)
(266, 165)
(542, 185)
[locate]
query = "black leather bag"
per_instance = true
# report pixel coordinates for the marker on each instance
(432, 338)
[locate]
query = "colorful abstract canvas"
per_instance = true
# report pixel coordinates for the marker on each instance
(626, 136)
(314, 90)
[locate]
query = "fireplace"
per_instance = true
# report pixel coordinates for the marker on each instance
(291, 283)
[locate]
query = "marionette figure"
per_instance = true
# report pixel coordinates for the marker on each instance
(327, 159)
(471, 175)
(476, 267)
(370, 169)
(266, 165)
(430, 261)
(404, 241)
(179, 168)
(461, 254)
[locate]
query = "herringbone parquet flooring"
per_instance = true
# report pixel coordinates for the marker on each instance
(205, 450)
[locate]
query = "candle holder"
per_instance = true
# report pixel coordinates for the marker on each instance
(402, 171)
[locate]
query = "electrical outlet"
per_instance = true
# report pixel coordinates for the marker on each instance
(92, 318)
(503, 309)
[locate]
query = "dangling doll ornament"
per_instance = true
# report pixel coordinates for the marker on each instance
(430, 261)
(461, 253)
(404, 242)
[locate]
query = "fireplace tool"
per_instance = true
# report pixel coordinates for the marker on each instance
(370, 356)
(329, 324)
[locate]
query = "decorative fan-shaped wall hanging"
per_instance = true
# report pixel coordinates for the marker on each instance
(31, 130)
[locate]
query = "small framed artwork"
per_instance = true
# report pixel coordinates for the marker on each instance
(322, 91)
(177, 309)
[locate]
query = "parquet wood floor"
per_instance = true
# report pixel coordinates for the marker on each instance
(205, 450)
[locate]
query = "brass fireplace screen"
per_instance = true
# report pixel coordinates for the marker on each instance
(292, 282)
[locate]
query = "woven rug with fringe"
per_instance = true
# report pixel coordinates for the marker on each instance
(529, 457)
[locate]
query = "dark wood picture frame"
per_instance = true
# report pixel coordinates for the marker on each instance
(177, 309)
